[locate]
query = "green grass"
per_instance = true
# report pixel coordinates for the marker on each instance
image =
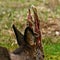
(52, 51)
(10, 13)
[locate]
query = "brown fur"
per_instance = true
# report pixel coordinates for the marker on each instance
(27, 51)
(4, 54)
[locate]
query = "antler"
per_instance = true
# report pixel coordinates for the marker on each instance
(37, 28)
(37, 25)
(29, 19)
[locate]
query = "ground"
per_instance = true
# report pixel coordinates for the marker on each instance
(15, 11)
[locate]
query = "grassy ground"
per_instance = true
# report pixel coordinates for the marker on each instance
(51, 50)
(15, 11)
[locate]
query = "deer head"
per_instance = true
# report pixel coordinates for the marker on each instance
(28, 39)
(29, 46)
(26, 52)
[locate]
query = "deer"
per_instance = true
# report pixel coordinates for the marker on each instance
(28, 44)
(31, 38)
(30, 47)
(26, 50)
(4, 54)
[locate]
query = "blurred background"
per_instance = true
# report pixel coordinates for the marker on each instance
(15, 12)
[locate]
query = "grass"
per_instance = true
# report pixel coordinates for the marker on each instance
(11, 13)
(51, 49)
(52, 52)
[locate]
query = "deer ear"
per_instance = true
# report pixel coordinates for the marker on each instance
(29, 35)
(19, 36)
